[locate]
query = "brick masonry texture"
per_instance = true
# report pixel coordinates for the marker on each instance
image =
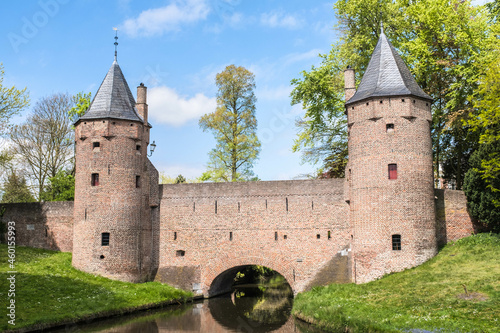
(385, 131)
(293, 227)
(47, 225)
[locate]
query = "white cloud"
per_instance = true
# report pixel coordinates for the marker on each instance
(158, 21)
(280, 20)
(168, 107)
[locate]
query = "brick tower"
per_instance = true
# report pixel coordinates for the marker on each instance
(389, 174)
(112, 216)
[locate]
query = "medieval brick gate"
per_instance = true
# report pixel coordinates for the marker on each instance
(207, 232)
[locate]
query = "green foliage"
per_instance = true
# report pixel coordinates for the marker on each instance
(483, 203)
(446, 48)
(428, 297)
(50, 290)
(233, 125)
(12, 101)
(61, 187)
(180, 179)
(16, 190)
(82, 103)
(486, 121)
(323, 135)
(44, 142)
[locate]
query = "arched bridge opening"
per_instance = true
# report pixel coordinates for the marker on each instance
(250, 297)
(245, 274)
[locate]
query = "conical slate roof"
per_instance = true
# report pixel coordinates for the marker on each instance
(113, 99)
(387, 75)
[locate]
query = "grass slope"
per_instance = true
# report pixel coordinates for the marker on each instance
(430, 296)
(50, 290)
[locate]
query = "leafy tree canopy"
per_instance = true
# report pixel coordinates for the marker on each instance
(61, 187)
(234, 126)
(16, 189)
(12, 101)
(482, 201)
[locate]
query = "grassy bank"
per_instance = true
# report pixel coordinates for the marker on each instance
(430, 297)
(50, 290)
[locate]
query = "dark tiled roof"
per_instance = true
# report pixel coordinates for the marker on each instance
(387, 75)
(113, 99)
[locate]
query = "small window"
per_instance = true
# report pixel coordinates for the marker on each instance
(381, 102)
(96, 144)
(138, 147)
(105, 239)
(284, 237)
(95, 179)
(403, 100)
(230, 235)
(180, 253)
(389, 128)
(393, 171)
(318, 236)
(137, 181)
(275, 235)
(329, 234)
(396, 242)
(175, 235)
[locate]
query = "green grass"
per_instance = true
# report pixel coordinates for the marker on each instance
(49, 290)
(426, 297)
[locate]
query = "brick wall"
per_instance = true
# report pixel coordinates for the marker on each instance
(293, 227)
(47, 225)
(452, 218)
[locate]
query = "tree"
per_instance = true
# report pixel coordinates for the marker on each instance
(486, 121)
(323, 130)
(82, 104)
(16, 190)
(445, 47)
(233, 125)
(12, 101)
(61, 187)
(482, 201)
(45, 141)
(180, 179)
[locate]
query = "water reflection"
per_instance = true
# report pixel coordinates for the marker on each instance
(261, 308)
(249, 308)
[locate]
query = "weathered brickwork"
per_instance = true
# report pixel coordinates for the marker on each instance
(119, 204)
(452, 218)
(385, 131)
(294, 227)
(47, 225)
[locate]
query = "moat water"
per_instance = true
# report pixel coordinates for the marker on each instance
(248, 308)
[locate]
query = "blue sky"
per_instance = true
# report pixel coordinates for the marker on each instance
(175, 47)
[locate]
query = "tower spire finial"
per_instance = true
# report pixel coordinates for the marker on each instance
(116, 40)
